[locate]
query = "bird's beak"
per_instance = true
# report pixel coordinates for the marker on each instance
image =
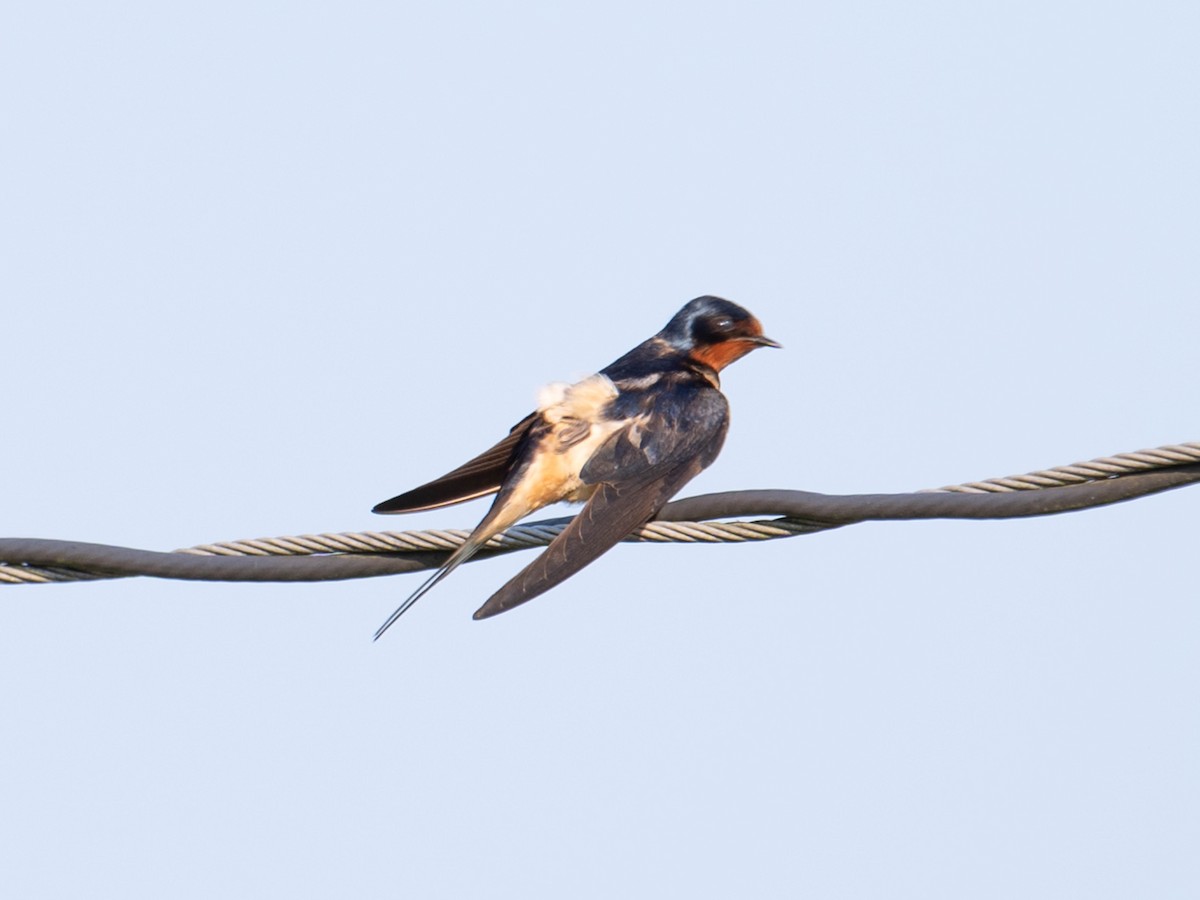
(763, 341)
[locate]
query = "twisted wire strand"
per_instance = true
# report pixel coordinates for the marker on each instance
(321, 557)
(1078, 473)
(519, 537)
(22, 574)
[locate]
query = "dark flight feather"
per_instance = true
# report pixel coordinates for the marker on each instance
(636, 479)
(609, 516)
(481, 476)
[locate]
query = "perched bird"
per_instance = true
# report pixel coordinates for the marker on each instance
(625, 440)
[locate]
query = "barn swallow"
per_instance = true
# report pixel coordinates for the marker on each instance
(624, 440)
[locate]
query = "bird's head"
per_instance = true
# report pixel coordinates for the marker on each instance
(714, 332)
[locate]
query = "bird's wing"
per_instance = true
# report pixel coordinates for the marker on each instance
(610, 515)
(636, 474)
(481, 476)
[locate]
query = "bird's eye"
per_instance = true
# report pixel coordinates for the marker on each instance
(723, 324)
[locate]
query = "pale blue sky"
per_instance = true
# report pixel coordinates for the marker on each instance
(264, 265)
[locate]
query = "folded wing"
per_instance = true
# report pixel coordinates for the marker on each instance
(637, 471)
(609, 516)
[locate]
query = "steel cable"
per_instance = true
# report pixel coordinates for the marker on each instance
(331, 557)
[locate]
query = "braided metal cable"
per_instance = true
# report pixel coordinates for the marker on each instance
(20, 574)
(321, 557)
(519, 537)
(1078, 473)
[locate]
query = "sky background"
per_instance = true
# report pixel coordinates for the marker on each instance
(264, 265)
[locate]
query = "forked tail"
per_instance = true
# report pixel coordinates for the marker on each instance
(457, 558)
